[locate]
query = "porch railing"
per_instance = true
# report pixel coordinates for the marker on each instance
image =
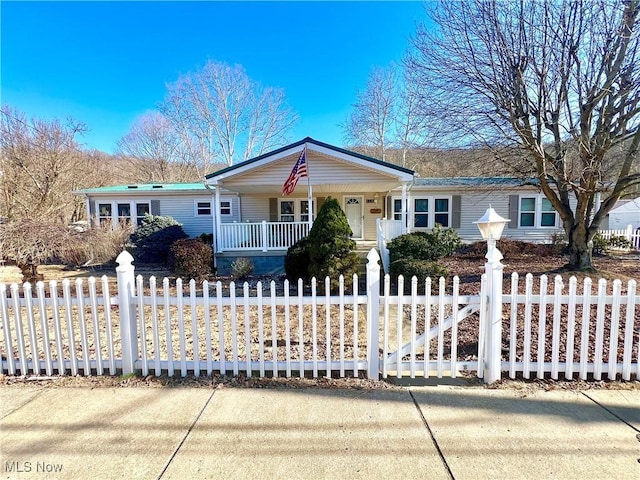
(261, 236)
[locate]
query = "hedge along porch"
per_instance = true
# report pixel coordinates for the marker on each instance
(272, 221)
(231, 329)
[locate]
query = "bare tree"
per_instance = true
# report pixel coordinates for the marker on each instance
(386, 121)
(371, 121)
(222, 116)
(41, 165)
(155, 151)
(558, 80)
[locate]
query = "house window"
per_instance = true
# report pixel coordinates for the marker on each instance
(397, 209)
(294, 210)
(304, 210)
(141, 210)
(287, 211)
(203, 208)
(426, 211)
(124, 212)
(442, 213)
(536, 212)
(104, 213)
(225, 207)
(548, 214)
(421, 213)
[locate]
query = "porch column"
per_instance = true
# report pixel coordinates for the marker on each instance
(404, 208)
(216, 221)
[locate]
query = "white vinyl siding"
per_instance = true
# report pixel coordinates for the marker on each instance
(322, 171)
(473, 204)
(254, 208)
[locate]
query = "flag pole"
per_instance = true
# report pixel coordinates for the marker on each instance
(309, 189)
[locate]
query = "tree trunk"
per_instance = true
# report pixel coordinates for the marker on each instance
(580, 249)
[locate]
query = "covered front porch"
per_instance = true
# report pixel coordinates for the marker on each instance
(270, 221)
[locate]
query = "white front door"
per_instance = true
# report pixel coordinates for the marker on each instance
(353, 209)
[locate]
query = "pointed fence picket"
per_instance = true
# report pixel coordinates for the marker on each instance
(573, 328)
(395, 328)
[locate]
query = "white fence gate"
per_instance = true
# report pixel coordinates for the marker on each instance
(297, 329)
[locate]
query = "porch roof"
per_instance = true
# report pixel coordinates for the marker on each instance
(330, 169)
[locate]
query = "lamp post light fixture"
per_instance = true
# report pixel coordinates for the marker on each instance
(491, 226)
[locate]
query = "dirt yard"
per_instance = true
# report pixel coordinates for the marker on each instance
(467, 266)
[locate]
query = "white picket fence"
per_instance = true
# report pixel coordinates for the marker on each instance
(630, 234)
(297, 329)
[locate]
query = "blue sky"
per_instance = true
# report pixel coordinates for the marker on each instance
(105, 63)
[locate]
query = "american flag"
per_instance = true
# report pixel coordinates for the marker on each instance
(299, 170)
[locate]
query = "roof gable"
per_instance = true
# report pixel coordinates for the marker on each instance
(321, 147)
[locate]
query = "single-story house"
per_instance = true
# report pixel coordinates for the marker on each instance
(249, 215)
(188, 203)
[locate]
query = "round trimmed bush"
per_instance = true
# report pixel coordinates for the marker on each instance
(191, 258)
(411, 245)
(421, 269)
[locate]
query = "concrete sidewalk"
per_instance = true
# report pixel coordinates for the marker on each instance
(240, 433)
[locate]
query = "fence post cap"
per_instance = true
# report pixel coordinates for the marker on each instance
(373, 256)
(124, 259)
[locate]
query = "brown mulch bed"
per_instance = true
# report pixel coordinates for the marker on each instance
(523, 258)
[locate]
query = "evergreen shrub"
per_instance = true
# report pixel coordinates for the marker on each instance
(296, 263)
(331, 248)
(152, 240)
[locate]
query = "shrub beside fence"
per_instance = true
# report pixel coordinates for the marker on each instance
(629, 234)
(271, 330)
